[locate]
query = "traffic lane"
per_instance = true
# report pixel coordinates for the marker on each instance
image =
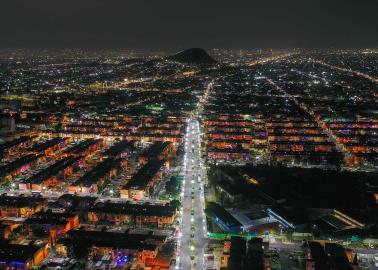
(186, 223)
(191, 175)
(199, 228)
(185, 249)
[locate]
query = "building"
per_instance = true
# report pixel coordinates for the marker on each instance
(120, 149)
(158, 151)
(328, 256)
(13, 146)
(21, 206)
(51, 225)
(237, 253)
(223, 218)
(153, 215)
(121, 246)
(84, 148)
(52, 176)
(143, 182)
(255, 254)
(93, 180)
(18, 166)
(48, 147)
(13, 256)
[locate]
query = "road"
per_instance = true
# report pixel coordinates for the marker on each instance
(268, 59)
(348, 70)
(347, 155)
(192, 242)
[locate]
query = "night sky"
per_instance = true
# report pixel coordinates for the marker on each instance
(170, 24)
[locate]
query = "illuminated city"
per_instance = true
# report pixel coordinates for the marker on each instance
(186, 158)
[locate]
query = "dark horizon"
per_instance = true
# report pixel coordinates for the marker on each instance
(173, 25)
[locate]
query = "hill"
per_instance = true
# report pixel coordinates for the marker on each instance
(193, 56)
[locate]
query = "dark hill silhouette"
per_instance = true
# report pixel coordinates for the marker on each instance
(193, 56)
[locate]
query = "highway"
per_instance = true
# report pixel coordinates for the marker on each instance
(192, 238)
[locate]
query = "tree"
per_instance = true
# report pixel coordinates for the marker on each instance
(175, 203)
(172, 185)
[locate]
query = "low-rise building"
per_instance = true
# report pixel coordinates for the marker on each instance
(14, 256)
(51, 225)
(95, 178)
(154, 215)
(120, 246)
(142, 183)
(21, 206)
